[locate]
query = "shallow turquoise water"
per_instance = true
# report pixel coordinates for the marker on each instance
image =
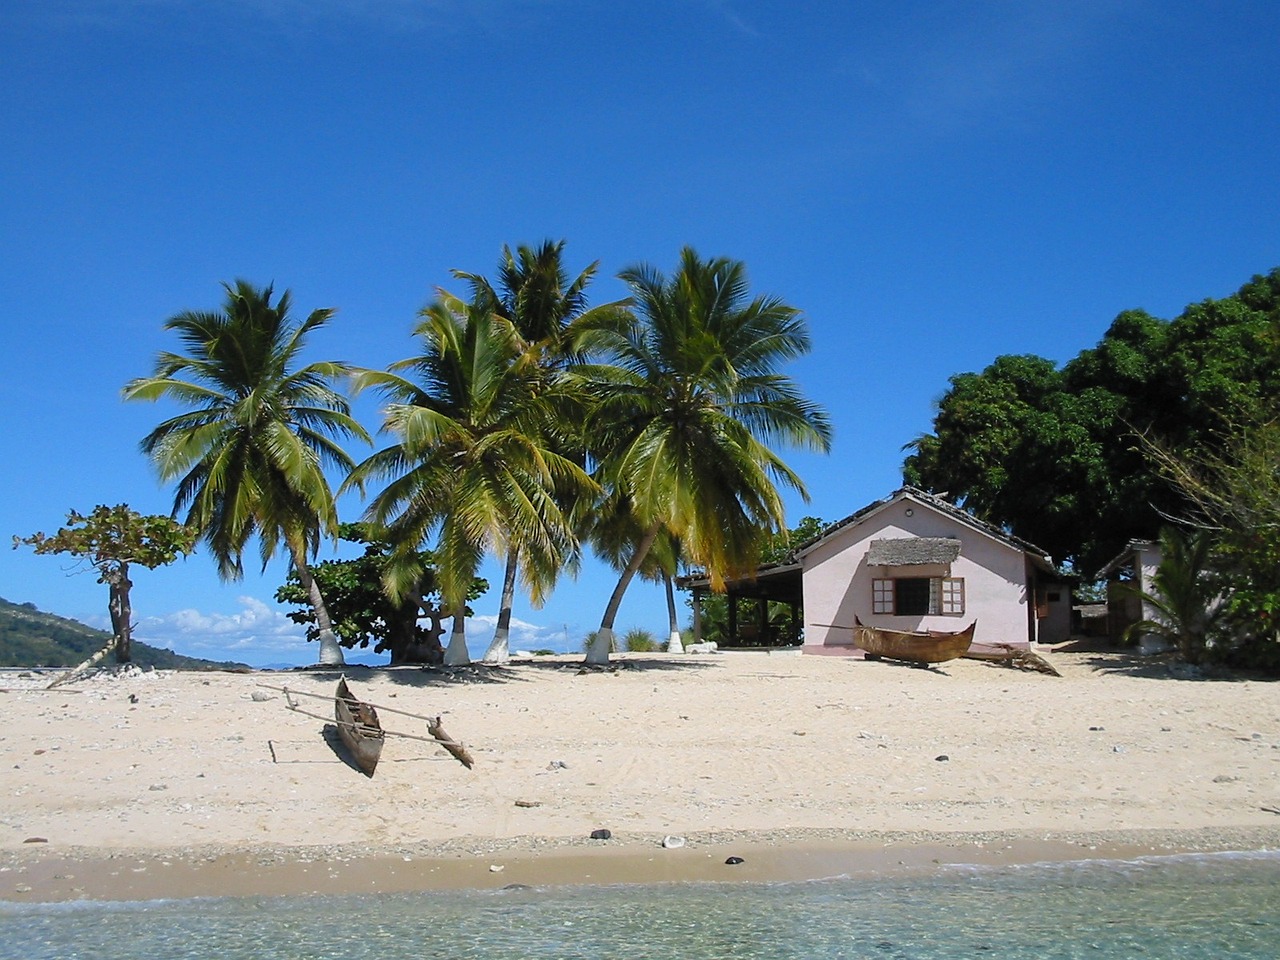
(1222, 906)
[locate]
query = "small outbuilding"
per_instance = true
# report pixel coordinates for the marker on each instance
(1130, 578)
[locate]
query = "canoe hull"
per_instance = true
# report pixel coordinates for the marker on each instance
(930, 646)
(359, 728)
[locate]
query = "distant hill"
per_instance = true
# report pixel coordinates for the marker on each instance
(31, 638)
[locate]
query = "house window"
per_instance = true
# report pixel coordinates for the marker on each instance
(918, 596)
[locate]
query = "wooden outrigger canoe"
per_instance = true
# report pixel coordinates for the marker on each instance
(926, 646)
(359, 728)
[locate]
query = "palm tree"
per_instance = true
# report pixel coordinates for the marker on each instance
(249, 456)
(686, 410)
(543, 305)
(475, 458)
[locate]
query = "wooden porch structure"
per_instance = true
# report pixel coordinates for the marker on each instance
(749, 621)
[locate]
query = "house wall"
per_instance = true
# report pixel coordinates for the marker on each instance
(837, 579)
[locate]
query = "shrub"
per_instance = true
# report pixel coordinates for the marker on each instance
(637, 640)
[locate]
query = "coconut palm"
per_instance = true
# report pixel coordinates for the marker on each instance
(475, 457)
(536, 295)
(687, 406)
(249, 456)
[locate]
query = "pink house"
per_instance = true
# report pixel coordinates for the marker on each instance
(916, 562)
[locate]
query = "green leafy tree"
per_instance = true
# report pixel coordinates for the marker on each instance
(475, 459)
(363, 612)
(1051, 453)
(111, 540)
(688, 403)
(249, 456)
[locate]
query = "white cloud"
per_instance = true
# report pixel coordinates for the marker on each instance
(258, 633)
(523, 636)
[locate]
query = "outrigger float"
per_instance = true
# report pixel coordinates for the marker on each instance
(361, 731)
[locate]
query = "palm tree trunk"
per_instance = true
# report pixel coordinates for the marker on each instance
(598, 652)
(456, 655)
(499, 650)
(330, 649)
(673, 621)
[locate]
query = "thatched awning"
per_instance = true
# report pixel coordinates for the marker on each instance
(913, 551)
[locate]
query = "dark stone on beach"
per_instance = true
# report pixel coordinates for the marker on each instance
(601, 834)
(733, 861)
(36, 840)
(942, 757)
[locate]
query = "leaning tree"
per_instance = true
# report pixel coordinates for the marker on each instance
(249, 456)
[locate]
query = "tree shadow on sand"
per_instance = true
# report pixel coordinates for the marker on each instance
(514, 671)
(1127, 661)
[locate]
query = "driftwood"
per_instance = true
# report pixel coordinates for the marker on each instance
(77, 671)
(1011, 656)
(434, 728)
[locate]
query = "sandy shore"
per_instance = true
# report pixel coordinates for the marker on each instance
(168, 784)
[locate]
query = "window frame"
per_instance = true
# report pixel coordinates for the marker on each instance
(947, 597)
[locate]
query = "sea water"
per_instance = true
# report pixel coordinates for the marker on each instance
(1217, 906)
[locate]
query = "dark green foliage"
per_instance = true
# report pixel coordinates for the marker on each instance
(782, 546)
(30, 638)
(1052, 454)
(362, 611)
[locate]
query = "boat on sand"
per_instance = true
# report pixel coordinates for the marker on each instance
(359, 728)
(924, 646)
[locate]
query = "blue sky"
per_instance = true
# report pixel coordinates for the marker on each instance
(932, 183)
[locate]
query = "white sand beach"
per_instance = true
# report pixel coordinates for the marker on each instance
(165, 784)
